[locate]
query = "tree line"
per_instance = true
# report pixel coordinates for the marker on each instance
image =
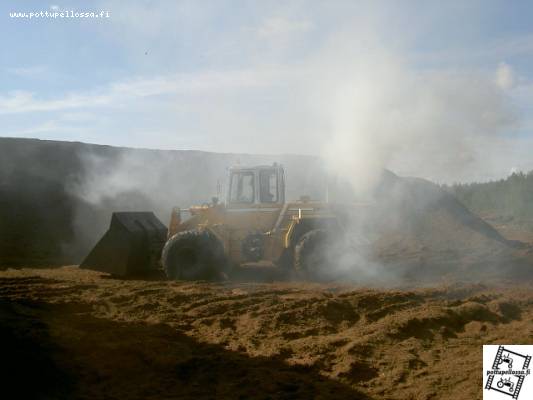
(510, 197)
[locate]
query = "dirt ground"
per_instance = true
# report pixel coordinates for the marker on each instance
(71, 333)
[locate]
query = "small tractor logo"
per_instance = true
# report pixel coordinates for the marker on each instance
(506, 383)
(506, 359)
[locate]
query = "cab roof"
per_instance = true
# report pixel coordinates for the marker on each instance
(255, 167)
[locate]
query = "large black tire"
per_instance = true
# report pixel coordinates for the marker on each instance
(194, 255)
(311, 255)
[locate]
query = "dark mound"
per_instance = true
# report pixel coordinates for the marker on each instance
(56, 198)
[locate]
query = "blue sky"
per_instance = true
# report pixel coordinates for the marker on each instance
(445, 88)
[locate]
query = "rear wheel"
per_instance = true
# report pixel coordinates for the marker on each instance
(194, 255)
(311, 255)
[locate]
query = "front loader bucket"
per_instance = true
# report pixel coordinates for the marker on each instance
(131, 246)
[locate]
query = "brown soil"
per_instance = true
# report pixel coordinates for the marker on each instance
(70, 333)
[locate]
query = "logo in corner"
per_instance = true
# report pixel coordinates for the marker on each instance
(507, 372)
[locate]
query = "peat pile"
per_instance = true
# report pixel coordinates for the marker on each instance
(424, 232)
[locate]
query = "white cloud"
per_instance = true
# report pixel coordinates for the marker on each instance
(50, 126)
(32, 72)
(277, 26)
(25, 102)
(122, 92)
(520, 45)
(505, 76)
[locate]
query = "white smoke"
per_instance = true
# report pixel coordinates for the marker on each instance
(381, 112)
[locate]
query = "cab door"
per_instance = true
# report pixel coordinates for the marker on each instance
(270, 198)
(241, 210)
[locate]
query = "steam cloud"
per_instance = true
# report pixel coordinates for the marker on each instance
(380, 112)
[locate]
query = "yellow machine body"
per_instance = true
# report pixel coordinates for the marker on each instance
(275, 224)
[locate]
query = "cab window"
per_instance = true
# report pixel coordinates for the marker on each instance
(268, 185)
(242, 187)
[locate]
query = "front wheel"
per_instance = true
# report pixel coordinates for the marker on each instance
(194, 255)
(311, 255)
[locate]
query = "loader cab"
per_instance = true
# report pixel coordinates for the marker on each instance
(255, 199)
(253, 187)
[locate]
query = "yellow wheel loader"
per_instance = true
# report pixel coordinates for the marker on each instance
(254, 226)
